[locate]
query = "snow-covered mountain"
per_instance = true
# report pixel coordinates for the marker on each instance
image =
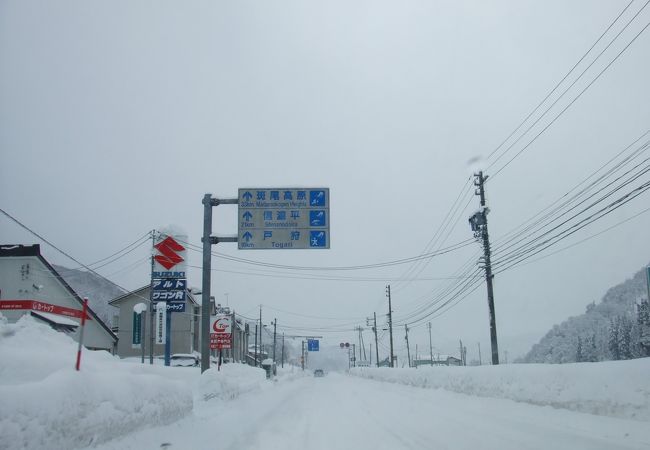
(607, 330)
(98, 290)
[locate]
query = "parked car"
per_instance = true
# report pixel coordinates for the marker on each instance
(319, 373)
(184, 360)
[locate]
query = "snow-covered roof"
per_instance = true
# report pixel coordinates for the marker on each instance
(55, 318)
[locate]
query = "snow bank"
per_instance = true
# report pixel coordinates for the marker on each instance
(46, 404)
(230, 382)
(612, 388)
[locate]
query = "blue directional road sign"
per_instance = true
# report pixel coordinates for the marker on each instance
(284, 218)
(312, 345)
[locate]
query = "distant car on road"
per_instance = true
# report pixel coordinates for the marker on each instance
(184, 360)
(319, 373)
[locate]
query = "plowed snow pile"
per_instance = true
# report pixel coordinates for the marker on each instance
(46, 404)
(611, 388)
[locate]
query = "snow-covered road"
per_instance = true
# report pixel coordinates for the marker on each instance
(344, 412)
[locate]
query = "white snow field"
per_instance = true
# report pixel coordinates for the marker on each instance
(611, 388)
(46, 404)
(112, 404)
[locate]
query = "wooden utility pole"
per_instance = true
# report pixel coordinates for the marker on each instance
(275, 324)
(376, 343)
(256, 348)
(479, 225)
(282, 364)
(408, 349)
(261, 331)
(390, 326)
(430, 345)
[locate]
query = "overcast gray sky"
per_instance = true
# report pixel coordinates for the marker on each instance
(116, 118)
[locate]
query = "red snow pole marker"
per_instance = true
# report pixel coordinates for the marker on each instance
(81, 334)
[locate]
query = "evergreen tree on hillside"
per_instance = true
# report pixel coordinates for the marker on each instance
(643, 323)
(625, 338)
(593, 352)
(604, 334)
(579, 353)
(614, 348)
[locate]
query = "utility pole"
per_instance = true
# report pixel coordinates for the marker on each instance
(282, 364)
(430, 345)
(261, 331)
(275, 324)
(479, 226)
(408, 349)
(354, 352)
(462, 359)
(480, 362)
(361, 344)
(302, 360)
(256, 348)
(390, 326)
(376, 343)
(415, 360)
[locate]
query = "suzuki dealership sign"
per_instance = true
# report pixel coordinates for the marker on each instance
(221, 332)
(168, 280)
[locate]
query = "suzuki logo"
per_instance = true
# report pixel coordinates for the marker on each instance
(168, 257)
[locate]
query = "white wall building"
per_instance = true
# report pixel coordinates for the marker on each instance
(30, 285)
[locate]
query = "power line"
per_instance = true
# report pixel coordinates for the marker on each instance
(524, 247)
(572, 101)
(535, 220)
(429, 255)
(560, 82)
(576, 227)
(616, 225)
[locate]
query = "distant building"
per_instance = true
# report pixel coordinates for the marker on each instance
(185, 327)
(438, 360)
(30, 285)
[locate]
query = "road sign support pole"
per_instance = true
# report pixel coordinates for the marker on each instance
(152, 308)
(209, 240)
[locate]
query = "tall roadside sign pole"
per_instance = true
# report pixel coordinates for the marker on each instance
(208, 241)
(275, 218)
(479, 225)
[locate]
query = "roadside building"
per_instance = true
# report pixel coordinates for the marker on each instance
(30, 285)
(185, 326)
(438, 360)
